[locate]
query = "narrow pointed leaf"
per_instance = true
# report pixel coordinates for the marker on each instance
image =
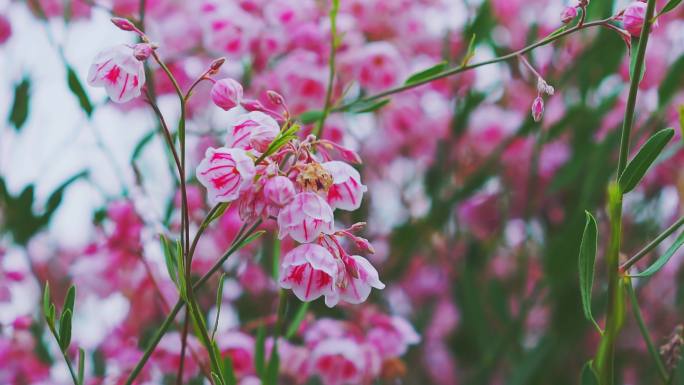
(470, 53)
(81, 365)
(663, 259)
(669, 6)
(229, 371)
(65, 330)
(70, 299)
(217, 379)
(297, 320)
(46, 299)
(79, 91)
(219, 212)
(637, 167)
(426, 73)
(311, 116)
(169, 259)
(20, 107)
(587, 258)
(588, 376)
(370, 106)
(144, 141)
(271, 375)
(250, 239)
(633, 61)
(219, 301)
(259, 351)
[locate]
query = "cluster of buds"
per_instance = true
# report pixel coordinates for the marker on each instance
(271, 174)
(120, 69)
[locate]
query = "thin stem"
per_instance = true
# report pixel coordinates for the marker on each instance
(652, 245)
(644, 332)
(318, 131)
(605, 355)
(179, 304)
(184, 341)
(459, 69)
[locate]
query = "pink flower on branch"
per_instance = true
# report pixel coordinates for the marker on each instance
(226, 173)
(346, 191)
(310, 271)
(254, 130)
(305, 218)
(120, 73)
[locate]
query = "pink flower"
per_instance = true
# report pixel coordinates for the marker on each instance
(279, 190)
(537, 108)
(225, 172)
(391, 336)
(5, 29)
(253, 130)
(355, 282)
(305, 218)
(633, 17)
(226, 93)
(338, 361)
(119, 72)
(379, 66)
(568, 14)
(142, 51)
(347, 191)
(310, 271)
(240, 348)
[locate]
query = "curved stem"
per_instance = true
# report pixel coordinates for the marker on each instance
(318, 131)
(644, 332)
(459, 69)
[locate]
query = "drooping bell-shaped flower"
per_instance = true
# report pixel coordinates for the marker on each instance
(346, 191)
(253, 130)
(225, 172)
(226, 93)
(279, 190)
(305, 218)
(310, 271)
(355, 281)
(120, 73)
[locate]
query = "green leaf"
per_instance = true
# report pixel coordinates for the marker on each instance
(46, 300)
(663, 259)
(65, 330)
(250, 239)
(219, 301)
(229, 371)
(427, 73)
(681, 121)
(70, 299)
(259, 351)
(311, 116)
(52, 314)
(20, 107)
(587, 256)
(297, 320)
(169, 259)
(367, 106)
(137, 151)
(637, 167)
(271, 375)
(223, 206)
(217, 379)
(669, 6)
(470, 52)
(588, 376)
(81, 365)
(77, 89)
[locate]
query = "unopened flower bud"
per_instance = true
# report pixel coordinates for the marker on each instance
(215, 66)
(633, 17)
(275, 97)
(252, 105)
(226, 93)
(568, 14)
(537, 109)
(142, 51)
(123, 24)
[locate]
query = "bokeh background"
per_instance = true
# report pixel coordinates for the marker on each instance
(474, 209)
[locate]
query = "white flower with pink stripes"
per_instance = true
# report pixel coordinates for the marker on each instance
(120, 73)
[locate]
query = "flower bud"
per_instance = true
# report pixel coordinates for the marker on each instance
(537, 108)
(123, 24)
(275, 97)
(142, 51)
(216, 65)
(568, 14)
(226, 93)
(633, 17)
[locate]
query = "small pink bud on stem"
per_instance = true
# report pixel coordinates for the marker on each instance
(142, 51)
(568, 14)
(127, 25)
(226, 93)
(215, 66)
(537, 108)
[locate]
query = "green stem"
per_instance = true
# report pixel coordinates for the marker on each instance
(644, 332)
(604, 363)
(179, 304)
(459, 69)
(318, 131)
(64, 354)
(652, 245)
